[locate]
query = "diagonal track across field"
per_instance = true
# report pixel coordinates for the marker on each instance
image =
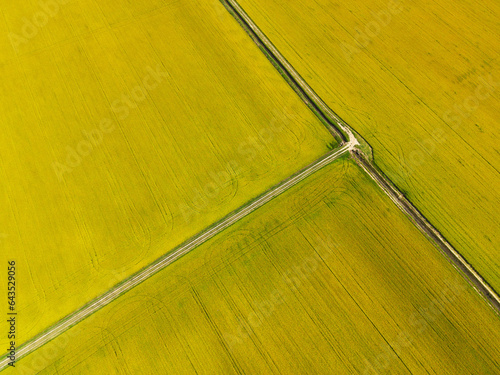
(350, 143)
(329, 117)
(175, 254)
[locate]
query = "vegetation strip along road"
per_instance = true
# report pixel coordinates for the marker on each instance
(175, 254)
(364, 161)
(350, 143)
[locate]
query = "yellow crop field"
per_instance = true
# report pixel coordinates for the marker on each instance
(125, 130)
(420, 82)
(328, 278)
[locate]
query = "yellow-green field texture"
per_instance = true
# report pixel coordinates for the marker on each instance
(329, 278)
(420, 81)
(125, 131)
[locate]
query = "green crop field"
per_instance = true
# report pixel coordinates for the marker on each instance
(420, 82)
(126, 129)
(329, 278)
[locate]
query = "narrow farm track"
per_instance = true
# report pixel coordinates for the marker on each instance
(421, 222)
(175, 254)
(350, 142)
(329, 117)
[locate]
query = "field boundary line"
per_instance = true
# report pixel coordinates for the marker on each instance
(362, 154)
(350, 142)
(109, 296)
(421, 222)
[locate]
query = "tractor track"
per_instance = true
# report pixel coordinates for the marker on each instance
(348, 143)
(329, 117)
